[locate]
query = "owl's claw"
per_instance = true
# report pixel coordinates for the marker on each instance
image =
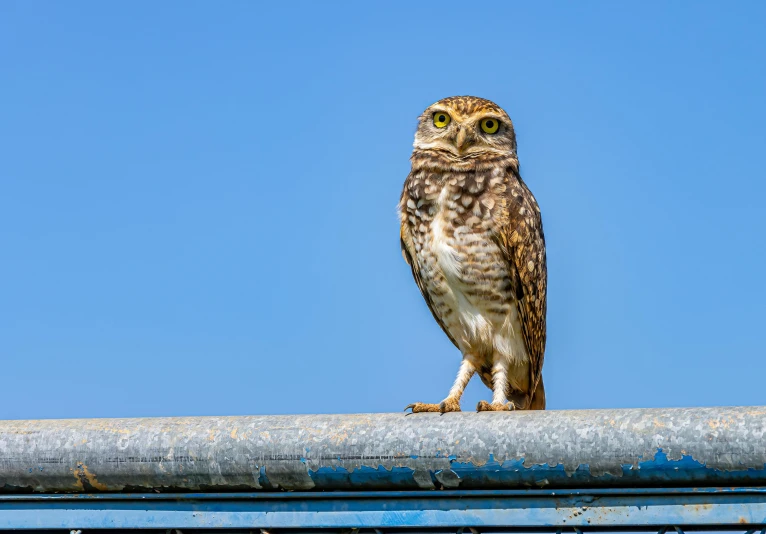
(447, 405)
(420, 407)
(485, 406)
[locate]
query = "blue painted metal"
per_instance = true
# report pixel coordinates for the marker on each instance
(621, 509)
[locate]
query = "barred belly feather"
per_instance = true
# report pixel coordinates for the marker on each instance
(464, 271)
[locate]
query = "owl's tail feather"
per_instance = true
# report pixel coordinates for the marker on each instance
(522, 401)
(538, 399)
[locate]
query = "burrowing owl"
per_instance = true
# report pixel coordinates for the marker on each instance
(472, 233)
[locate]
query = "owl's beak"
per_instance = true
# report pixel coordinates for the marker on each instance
(462, 138)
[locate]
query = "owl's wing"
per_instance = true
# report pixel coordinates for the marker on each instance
(523, 244)
(408, 252)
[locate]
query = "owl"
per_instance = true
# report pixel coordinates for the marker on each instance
(472, 233)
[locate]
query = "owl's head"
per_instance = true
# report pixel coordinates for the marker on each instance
(466, 127)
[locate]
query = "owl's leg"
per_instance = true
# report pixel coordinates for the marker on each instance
(464, 374)
(452, 402)
(499, 381)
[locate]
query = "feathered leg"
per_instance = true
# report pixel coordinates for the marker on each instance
(499, 382)
(452, 402)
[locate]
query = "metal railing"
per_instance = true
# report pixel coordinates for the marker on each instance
(665, 471)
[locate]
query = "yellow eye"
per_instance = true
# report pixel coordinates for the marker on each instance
(490, 126)
(441, 119)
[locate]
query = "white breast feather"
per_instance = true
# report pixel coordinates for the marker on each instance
(477, 327)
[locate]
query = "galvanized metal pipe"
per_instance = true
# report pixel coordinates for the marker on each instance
(584, 449)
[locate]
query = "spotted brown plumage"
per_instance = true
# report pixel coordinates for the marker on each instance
(472, 234)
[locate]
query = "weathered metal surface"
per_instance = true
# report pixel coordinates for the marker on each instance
(619, 510)
(599, 448)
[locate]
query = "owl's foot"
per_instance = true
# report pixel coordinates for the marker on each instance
(420, 407)
(447, 405)
(485, 406)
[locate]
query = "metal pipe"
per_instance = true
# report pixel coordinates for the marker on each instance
(552, 449)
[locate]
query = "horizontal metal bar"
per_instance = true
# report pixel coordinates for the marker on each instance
(588, 449)
(350, 495)
(434, 509)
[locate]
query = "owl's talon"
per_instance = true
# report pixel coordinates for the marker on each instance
(449, 405)
(485, 406)
(420, 407)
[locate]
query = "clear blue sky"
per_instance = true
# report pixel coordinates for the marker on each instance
(197, 201)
